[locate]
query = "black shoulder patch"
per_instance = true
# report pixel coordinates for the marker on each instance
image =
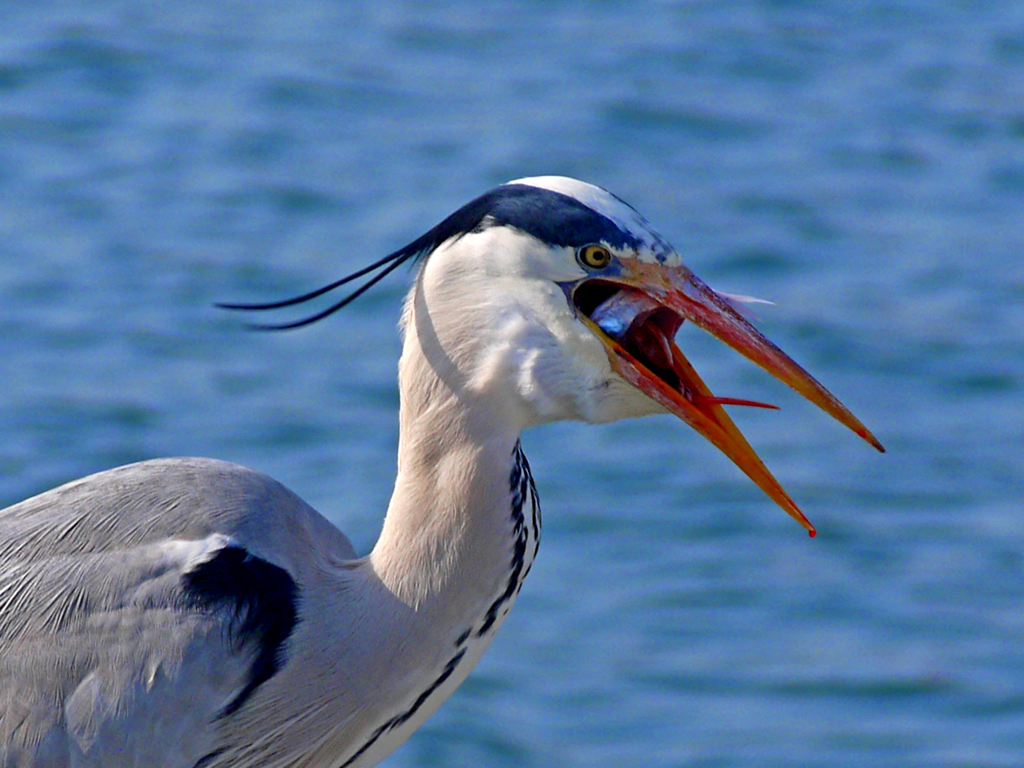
(263, 600)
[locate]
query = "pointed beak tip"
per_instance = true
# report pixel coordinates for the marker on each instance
(869, 438)
(690, 299)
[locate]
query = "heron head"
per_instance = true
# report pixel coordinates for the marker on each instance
(562, 298)
(582, 300)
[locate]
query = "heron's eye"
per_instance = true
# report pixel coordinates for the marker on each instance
(594, 256)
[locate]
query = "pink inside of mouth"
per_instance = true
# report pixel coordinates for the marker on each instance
(646, 330)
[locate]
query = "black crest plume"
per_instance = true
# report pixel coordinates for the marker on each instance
(469, 218)
(382, 268)
(549, 216)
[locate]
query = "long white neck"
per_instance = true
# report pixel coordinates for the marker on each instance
(460, 535)
(451, 543)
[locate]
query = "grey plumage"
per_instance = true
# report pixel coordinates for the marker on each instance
(95, 618)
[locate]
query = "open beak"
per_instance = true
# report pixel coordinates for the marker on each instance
(637, 313)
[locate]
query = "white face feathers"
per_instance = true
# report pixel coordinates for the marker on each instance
(499, 301)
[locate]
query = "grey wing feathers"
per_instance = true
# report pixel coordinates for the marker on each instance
(151, 599)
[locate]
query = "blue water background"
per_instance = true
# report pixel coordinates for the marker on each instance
(859, 163)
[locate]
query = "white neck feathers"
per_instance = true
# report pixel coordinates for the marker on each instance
(449, 537)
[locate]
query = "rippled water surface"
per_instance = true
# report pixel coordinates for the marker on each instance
(860, 164)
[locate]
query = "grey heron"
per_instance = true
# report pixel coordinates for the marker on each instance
(192, 613)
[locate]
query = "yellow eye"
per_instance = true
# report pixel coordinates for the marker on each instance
(594, 256)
